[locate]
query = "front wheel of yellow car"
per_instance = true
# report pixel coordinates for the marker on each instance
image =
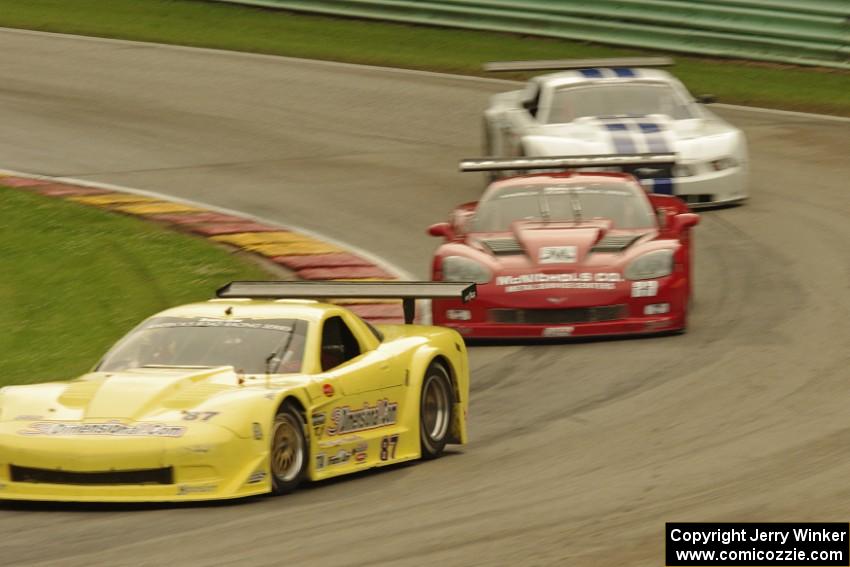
(436, 405)
(289, 450)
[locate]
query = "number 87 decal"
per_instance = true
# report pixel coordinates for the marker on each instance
(388, 445)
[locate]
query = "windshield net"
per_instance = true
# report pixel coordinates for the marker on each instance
(625, 206)
(245, 344)
(617, 100)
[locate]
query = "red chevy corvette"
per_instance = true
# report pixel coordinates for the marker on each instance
(568, 253)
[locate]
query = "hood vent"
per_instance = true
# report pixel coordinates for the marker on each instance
(503, 246)
(615, 243)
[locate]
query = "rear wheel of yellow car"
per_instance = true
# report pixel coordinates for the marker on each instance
(289, 453)
(436, 407)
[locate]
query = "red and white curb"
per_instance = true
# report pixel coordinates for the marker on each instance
(308, 255)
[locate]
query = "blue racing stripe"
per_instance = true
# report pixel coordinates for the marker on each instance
(663, 186)
(624, 72)
(655, 140)
(622, 138)
(591, 73)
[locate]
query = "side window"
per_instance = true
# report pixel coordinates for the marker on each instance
(532, 102)
(338, 343)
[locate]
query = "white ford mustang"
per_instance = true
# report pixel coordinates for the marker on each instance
(615, 106)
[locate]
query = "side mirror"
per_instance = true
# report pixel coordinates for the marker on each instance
(530, 106)
(443, 229)
(684, 221)
(706, 98)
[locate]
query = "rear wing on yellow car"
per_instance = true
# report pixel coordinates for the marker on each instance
(408, 292)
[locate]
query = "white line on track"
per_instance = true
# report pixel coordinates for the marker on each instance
(354, 66)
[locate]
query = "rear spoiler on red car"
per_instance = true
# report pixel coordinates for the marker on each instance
(562, 163)
(408, 292)
(568, 64)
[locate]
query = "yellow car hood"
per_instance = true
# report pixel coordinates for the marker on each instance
(145, 394)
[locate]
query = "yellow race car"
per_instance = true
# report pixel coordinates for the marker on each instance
(253, 392)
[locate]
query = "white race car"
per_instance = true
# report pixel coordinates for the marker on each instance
(616, 106)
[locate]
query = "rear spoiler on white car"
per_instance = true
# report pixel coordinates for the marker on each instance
(408, 292)
(567, 64)
(566, 162)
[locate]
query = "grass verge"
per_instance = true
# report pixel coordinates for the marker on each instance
(75, 279)
(209, 24)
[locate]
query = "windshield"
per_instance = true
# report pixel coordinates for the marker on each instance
(617, 100)
(245, 344)
(624, 205)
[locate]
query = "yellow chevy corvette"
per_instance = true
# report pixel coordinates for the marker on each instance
(253, 392)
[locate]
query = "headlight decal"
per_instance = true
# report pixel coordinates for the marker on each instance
(461, 269)
(651, 265)
(723, 163)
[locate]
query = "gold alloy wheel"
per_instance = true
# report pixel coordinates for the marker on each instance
(436, 408)
(287, 449)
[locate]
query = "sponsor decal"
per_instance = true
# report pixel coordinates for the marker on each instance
(647, 288)
(346, 420)
(257, 476)
(458, 314)
(111, 428)
(360, 452)
(318, 421)
(199, 489)
(257, 430)
(575, 280)
(29, 417)
(199, 448)
(340, 441)
(558, 331)
(2, 486)
(198, 415)
(558, 255)
(340, 457)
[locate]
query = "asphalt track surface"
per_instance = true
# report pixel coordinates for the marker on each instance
(580, 452)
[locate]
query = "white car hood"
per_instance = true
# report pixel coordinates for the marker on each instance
(691, 139)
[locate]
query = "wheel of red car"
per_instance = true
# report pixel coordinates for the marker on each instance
(289, 453)
(436, 407)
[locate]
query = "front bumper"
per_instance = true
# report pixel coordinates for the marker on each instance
(606, 314)
(208, 463)
(706, 188)
(633, 326)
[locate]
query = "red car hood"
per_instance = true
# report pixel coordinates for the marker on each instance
(556, 246)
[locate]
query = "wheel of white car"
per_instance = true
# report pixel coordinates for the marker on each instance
(486, 138)
(487, 147)
(436, 407)
(290, 451)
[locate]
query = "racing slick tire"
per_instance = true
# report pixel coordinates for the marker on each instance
(290, 452)
(436, 411)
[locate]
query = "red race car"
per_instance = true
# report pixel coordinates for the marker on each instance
(569, 253)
